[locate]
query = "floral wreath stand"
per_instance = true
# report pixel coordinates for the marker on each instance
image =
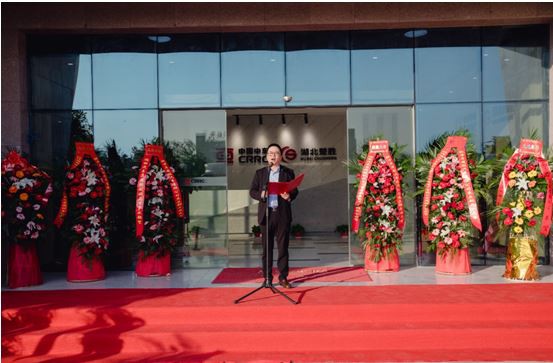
(23, 264)
(79, 268)
(389, 261)
(522, 249)
(453, 261)
(156, 263)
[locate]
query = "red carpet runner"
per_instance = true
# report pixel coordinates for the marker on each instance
(296, 274)
(506, 322)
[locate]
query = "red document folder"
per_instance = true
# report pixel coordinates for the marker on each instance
(285, 187)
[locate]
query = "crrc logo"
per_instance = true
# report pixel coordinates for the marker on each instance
(289, 154)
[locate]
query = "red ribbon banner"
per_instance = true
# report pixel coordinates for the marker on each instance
(149, 152)
(459, 143)
(533, 148)
(376, 147)
(83, 149)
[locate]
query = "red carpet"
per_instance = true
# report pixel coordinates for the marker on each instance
(296, 274)
(506, 322)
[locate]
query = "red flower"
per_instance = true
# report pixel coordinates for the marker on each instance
(532, 223)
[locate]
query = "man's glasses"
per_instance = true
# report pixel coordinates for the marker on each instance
(275, 154)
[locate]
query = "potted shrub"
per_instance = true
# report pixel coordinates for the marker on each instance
(195, 231)
(256, 230)
(297, 230)
(343, 230)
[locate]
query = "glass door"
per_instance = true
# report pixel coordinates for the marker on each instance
(395, 124)
(198, 139)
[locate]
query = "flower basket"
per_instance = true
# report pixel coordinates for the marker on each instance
(23, 265)
(153, 264)
(388, 261)
(81, 269)
(453, 262)
(525, 203)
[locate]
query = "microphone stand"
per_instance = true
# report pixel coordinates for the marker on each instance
(267, 283)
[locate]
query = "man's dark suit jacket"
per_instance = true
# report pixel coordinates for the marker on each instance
(258, 184)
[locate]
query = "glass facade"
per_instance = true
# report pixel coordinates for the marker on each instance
(491, 81)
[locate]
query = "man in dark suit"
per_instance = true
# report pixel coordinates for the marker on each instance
(280, 212)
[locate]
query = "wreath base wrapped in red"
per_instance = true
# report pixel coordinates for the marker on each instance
(389, 262)
(80, 269)
(154, 264)
(23, 265)
(453, 262)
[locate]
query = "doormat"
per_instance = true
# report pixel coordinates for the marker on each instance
(296, 274)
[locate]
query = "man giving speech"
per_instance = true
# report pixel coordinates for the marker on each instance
(280, 213)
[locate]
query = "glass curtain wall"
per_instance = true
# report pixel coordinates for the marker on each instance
(492, 81)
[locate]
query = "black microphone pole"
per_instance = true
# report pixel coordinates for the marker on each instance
(267, 283)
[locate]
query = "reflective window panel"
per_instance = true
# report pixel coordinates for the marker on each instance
(515, 63)
(447, 65)
(252, 69)
(381, 67)
(60, 72)
(317, 68)
(124, 72)
(128, 128)
(52, 134)
(189, 70)
(200, 138)
(434, 120)
(506, 123)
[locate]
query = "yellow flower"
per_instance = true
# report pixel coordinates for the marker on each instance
(520, 206)
(528, 214)
(537, 211)
(532, 174)
(511, 183)
(39, 216)
(19, 174)
(23, 196)
(519, 221)
(512, 175)
(517, 229)
(512, 204)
